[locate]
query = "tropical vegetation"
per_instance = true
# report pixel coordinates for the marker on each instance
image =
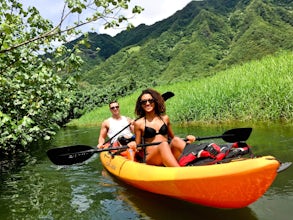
(200, 40)
(36, 98)
(257, 91)
(224, 60)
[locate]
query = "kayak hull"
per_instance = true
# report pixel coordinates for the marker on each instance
(235, 184)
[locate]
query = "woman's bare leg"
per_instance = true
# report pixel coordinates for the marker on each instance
(162, 154)
(177, 146)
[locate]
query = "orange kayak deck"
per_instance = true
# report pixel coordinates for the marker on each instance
(236, 184)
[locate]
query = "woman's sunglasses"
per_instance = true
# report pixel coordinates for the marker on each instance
(144, 102)
(113, 107)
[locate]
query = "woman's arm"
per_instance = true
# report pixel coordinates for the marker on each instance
(137, 131)
(168, 123)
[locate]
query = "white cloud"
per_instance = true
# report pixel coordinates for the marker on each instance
(154, 10)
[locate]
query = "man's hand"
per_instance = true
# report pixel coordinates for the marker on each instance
(101, 146)
(190, 138)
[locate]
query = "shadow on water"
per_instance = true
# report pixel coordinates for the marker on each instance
(153, 206)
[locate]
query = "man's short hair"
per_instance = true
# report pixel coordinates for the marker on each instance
(114, 101)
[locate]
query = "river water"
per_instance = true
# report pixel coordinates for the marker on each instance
(41, 190)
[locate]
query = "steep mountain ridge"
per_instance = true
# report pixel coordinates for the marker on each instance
(199, 40)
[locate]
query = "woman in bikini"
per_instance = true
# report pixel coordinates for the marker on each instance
(154, 126)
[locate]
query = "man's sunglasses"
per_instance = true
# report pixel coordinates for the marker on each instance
(113, 107)
(144, 102)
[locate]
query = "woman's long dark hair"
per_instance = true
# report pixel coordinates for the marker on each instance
(159, 103)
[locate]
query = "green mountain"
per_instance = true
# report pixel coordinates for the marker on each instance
(197, 41)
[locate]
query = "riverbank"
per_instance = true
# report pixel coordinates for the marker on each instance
(261, 90)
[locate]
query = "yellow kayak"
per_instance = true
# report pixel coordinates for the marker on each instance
(235, 184)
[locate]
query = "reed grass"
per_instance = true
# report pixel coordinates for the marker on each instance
(260, 90)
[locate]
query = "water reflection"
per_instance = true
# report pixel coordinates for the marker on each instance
(41, 190)
(152, 206)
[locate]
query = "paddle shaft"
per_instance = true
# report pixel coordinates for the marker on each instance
(211, 137)
(93, 151)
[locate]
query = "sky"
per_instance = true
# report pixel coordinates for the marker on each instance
(154, 10)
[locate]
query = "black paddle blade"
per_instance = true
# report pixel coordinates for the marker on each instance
(237, 134)
(167, 95)
(70, 155)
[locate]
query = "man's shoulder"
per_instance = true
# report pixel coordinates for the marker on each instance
(106, 122)
(125, 117)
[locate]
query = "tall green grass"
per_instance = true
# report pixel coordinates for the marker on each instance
(260, 90)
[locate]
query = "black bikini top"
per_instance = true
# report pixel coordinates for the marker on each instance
(150, 132)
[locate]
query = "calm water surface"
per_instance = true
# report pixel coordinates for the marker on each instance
(41, 190)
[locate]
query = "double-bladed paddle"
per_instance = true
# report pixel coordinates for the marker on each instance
(79, 153)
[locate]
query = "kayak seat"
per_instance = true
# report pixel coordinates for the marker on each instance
(211, 153)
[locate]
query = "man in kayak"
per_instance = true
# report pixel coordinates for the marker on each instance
(154, 125)
(114, 127)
